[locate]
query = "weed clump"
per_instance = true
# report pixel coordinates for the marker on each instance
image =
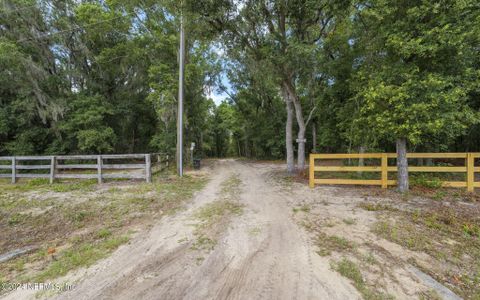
(328, 243)
(350, 270)
(372, 206)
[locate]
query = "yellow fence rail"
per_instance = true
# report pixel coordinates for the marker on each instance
(469, 168)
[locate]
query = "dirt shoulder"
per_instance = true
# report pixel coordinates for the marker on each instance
(412, 246)
(71, 225)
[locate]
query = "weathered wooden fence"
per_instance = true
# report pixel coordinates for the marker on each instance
(123, 166)
(160, 162)
(383, 167)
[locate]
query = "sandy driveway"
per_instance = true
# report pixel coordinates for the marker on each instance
(262, 253)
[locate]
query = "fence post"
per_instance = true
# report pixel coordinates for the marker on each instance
(384, 171)
(470, 172)
(311, 169)
(99, 168)
(14, 170)
(148, 168)
(52, 169)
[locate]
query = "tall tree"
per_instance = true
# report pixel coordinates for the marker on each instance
(97, 76)
(416, 71)
(283, 35)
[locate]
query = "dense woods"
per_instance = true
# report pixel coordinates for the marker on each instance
(98, 77)
(305, 75)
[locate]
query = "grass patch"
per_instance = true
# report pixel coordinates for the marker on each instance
(439, 195)
(304, 208)
(372, 206)
(203, 242)
(43, 185)
(370, 259)
(350, 270)
(349, 221)
(82, 255)
(403, 234)
(84, 185)
(254, 231)
(16, 219)
(285, 180)
(211, 213)
(104, 233)
(328, 243)
(348, 175)
(16, 202)
(307, 224)
(429, 295)
(448, 236)
(87, 230)
(425, 180)
(471, 230)
(210, 217)
(232, 185)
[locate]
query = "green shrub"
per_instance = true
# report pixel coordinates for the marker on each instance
(425, 181)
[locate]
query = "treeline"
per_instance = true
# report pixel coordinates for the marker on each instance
(351, 76)
(306, 76)
(101, 77)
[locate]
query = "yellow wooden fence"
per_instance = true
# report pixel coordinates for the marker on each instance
(384, 168)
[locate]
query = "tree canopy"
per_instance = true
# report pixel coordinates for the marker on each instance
(303, 75)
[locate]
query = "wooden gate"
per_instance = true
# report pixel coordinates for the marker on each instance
(100, 167)
(383, 167)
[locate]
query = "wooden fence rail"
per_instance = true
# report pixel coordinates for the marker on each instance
(469, 168)
(56, 164)
(160, 162)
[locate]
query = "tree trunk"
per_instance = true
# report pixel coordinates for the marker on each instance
(314, 137)
(239, 149)
(289, 133)
(402, 165)
(290, 89)
(301, 148)
(200, 146)
(361, 160)
(132, 146)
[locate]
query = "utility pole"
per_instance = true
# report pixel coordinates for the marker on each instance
(180, 100)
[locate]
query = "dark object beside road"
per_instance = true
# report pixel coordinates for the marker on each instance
(196, 163)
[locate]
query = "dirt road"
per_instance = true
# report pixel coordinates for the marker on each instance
(262, 253)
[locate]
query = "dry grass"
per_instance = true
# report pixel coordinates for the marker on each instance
(328, 243)
(79, 222)
(440, 227)
(351, 270)
(213, 217)
(210, 217)
(450, 235)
